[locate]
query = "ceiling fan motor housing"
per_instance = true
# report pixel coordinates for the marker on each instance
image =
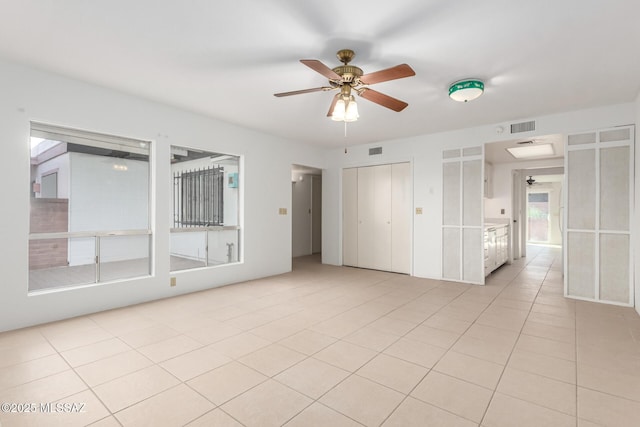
(348, 72)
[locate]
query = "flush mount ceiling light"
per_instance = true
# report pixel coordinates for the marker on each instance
(466, 90)
(531, 150)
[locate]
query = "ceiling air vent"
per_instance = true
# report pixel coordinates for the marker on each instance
(374, 151)
(523, 127)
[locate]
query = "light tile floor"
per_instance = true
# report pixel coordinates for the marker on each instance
(333, 346)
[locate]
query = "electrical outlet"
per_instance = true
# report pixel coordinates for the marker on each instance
(282, 211)
(418, 211)
(173, 281)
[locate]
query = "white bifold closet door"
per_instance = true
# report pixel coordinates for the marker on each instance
(376, 217)
(598, 200)
(462, 215)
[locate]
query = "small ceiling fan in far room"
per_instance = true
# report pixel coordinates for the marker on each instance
(349, 78)
(530, 181)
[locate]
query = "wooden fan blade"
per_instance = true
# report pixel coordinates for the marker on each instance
(333, 105)
(298, 92)
(382, 99)
(319, 67)
(393, 73)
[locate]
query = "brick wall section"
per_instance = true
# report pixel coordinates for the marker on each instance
(48, 216)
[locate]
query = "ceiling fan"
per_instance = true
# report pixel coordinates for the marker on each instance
(530, 181)
(348, 78)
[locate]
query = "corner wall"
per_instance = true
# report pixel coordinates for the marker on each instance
(32, 95)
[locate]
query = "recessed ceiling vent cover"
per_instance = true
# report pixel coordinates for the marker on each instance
(523, 127)
(374, 151)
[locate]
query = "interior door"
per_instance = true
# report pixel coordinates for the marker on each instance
(374, 217)
(401, 217)
(301, 217)
(350, 217)
(382, 217)
(599, 173)
(316, 214)
(366, 217)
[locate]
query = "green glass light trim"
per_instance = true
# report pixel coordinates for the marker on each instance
(466, 90)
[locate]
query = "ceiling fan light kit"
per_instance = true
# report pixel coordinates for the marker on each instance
(466, 90)
(346, 78)
(345, 111)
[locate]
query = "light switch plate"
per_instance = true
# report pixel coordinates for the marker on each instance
(283, 211)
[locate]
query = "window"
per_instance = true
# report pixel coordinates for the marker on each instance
(89, 215)
(206, 226)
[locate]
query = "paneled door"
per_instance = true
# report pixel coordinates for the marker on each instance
(376, 219)
(350, 217)
(598, 200)
(401, 205)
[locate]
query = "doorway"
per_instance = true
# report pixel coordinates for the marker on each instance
(512, 200)
(306, 212)
(542, 219)
(538, 211)
(544, 207)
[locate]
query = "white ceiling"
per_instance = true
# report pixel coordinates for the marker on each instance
(226, 59)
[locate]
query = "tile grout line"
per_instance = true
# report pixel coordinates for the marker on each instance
(449, 349)
(111, 414)
(518, 338)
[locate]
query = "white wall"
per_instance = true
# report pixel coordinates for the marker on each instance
(425, 152)
(29, 94)
(636, 222)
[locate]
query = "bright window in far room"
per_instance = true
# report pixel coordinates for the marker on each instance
(89, 208)
(205, 215)
(538, 217)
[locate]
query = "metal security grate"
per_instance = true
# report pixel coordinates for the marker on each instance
(198, 198)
